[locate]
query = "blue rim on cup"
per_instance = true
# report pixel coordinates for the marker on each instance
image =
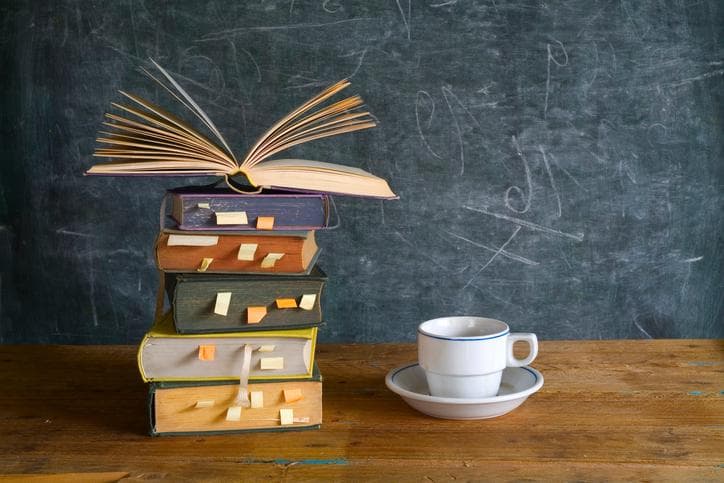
(503, 329)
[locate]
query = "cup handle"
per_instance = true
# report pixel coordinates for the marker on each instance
(532, 341)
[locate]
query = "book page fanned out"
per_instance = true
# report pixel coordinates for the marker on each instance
(146, 139)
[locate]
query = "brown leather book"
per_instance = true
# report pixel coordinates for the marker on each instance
(250, 252)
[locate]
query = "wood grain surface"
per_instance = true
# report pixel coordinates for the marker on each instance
(609, 410)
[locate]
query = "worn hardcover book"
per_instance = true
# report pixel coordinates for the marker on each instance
(210, 408)
(145, 139)
(195, 208)
(165, 355)
(261, 252)
(226, 303)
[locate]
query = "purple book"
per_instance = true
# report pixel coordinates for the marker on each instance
(204, 208)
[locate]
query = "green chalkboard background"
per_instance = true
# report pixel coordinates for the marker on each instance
(559, 163)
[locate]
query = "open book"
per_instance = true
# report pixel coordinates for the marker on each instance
(152, 141)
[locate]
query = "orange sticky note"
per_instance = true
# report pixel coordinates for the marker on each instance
(265, 223)
(254, 314)
(286, 303)
(207, 352)
(292, 395)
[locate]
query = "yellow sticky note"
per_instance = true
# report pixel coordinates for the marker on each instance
(286, 416)
(257, 399)
(207, 352)
(204, 403)
(247, 251)
(233, 413)
(205, 263)
(266, 348)
(271, 259)
(203, 206)
(223, 299)
(231, 218)
(271, 363)
(254, 314)
(265, 223)
(292, 395)
(307, 302)
(286, 304)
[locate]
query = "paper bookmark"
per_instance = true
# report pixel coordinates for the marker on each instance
(231, 218)
(207, 352)
(286, 303)
(265, 223)
(292, 395)
(247, 251)
(254, 314)
(286, 416)
(204, 264)
(271, 259)
(223, 299)
(192, 240)
(307, 302)
(257, 399)
(271, 363)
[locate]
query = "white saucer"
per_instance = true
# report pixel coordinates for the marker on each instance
(518, 383)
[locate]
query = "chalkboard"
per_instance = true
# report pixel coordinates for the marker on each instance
(559, 164)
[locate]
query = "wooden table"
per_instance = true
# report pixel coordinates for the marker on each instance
(609, 410)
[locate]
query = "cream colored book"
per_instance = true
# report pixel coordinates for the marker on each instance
(165, 355)
(147, 140)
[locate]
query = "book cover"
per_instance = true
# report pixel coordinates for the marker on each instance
(198, 208)
(261, 252)
(191, 408)
(219, 303)
(165, 355)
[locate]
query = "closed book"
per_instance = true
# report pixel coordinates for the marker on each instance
(165, 355)
(289, 301)
(202, 408)
(205, 208)
(263, 252)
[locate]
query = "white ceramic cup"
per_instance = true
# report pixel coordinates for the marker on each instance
(464, 357)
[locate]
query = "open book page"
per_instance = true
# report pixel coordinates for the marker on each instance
(303, 174)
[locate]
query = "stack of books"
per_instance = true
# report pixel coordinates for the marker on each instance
(236, 350)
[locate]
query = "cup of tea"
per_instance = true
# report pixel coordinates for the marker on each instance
(464, 357)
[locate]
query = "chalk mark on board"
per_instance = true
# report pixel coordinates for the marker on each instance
(361, 54)
(528, 224)
(552, 180)
(329, 10)
(225, 34)
(443, 4)
(429, 120)
(495, 255)
(518, 190)
(642, 329)
(503, 253)
(551, 58)
(445, 90)
(706, 75)
(63, 231)
(407, 19)
(417, 250)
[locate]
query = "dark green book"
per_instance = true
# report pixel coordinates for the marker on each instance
(288, 301)
(193, 408)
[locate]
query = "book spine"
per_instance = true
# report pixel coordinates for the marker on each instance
(224, 255)
(175, 410)
(199, 211)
